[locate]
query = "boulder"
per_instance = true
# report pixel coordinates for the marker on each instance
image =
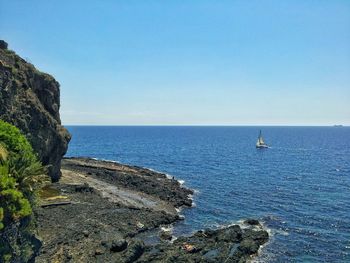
(249, 247)
(260, 236)
(252, 222)
(134, 251)
(231, 234)
(118, 245)
(209, 232)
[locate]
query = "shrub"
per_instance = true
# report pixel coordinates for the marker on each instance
(23, 163)
(20, 175)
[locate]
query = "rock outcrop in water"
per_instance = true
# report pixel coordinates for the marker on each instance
(230, 244)
(30, 100)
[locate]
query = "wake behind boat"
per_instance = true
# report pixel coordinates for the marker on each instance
(260, 144)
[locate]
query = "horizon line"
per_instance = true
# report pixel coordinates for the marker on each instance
(211, 125)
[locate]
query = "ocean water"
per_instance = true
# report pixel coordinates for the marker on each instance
(299, 188)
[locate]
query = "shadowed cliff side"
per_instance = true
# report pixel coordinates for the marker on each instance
(30, 100)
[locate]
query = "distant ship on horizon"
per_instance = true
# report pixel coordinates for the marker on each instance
(260, 144)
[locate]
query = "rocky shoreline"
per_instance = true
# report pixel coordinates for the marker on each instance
(98, 209)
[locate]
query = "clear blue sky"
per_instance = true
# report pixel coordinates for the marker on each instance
(189, 62)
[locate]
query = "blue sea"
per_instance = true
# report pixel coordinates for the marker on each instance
(299, 188)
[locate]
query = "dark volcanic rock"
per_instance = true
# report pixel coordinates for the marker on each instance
(252, 222)
(135, 251)
(84, 188)
(231, 234)
(165, 235)
(257, 235)
(133, 178)
(30, 100)
(119, 245)
(230, 244)
(248, 246)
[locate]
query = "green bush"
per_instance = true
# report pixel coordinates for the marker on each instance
(22, 161)
(20, 175)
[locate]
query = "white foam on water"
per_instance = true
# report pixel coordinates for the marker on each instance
(263, 257)
(168, 176)
(105, 160)
(173, 238)
(167, 228)
(281, 232)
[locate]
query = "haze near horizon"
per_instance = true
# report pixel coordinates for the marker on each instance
(189, 62)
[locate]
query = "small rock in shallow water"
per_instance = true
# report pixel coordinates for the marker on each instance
(252, 222)
(86, 233)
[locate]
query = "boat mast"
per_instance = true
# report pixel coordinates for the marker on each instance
(260, 139)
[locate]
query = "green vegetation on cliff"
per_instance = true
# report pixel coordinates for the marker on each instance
(20, 176)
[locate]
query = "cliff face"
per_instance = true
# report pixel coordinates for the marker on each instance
(30, 100)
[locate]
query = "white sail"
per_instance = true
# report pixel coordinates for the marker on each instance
(258, 143)
(261, 141)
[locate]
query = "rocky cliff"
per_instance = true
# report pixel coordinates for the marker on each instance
(30, 100)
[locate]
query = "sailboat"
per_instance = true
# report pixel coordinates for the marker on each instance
(260, 144)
